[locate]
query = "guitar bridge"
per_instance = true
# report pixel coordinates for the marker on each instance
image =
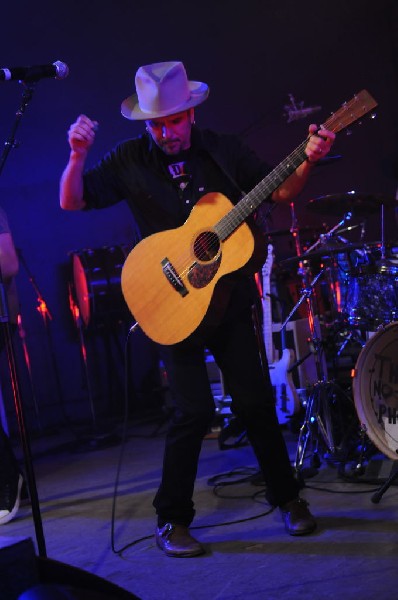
(173, 277)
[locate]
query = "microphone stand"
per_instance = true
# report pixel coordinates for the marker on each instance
(11, 143)
(4, 319)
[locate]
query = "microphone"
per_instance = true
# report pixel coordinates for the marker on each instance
(58, 70)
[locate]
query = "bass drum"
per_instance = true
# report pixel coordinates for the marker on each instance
(375, 388)
(96, 277)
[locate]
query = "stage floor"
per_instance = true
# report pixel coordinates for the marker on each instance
(353, 554)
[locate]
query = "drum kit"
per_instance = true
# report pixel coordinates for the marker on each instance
(350, 288)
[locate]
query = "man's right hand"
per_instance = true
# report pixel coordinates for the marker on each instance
(81, 137)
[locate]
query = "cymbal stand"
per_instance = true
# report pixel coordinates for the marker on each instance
(383, 263)
(383, 245)
(324, 237)
(294, 230)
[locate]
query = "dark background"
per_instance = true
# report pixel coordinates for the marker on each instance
(252, 54)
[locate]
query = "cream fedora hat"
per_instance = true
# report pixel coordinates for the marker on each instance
(163, 89)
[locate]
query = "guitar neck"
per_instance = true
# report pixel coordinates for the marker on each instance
(358, 106)
(262, 190)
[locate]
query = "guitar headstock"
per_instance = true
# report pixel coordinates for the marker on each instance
(361, 104)
(267, 266)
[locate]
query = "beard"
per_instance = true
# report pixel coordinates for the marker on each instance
(171, 147)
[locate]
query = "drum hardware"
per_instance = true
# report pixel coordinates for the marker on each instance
(306, 229)
(351, 228)
(318, 425)
(350, 336)
(356, 467)
(325, 237)
(325, 251)
(386, 485)
(328, 250)
(383, 244)
(326, 398)
(295, 230)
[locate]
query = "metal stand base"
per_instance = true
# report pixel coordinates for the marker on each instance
(388, 483)
(325, 426)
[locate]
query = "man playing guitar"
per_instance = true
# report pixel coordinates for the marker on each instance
(178, 181)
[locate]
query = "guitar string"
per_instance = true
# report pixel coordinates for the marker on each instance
(234, 218)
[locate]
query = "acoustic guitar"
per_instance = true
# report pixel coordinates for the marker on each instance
(169, 278)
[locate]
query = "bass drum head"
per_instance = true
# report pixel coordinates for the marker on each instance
(375, 388)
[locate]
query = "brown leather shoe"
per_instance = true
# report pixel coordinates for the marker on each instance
(297, 517)
(175, 540)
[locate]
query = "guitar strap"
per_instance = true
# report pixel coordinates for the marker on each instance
(263, 213)
(218, 162)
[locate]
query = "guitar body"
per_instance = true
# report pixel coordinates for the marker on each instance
(169, 278)
(287, 402)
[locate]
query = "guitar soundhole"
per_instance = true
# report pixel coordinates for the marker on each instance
(206, 246)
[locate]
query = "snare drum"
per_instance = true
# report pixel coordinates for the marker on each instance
(375, 388)
(96, 275)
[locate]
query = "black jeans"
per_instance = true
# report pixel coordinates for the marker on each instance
(235, 350)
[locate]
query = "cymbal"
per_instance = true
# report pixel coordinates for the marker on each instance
(357, 203)
(323, 251)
